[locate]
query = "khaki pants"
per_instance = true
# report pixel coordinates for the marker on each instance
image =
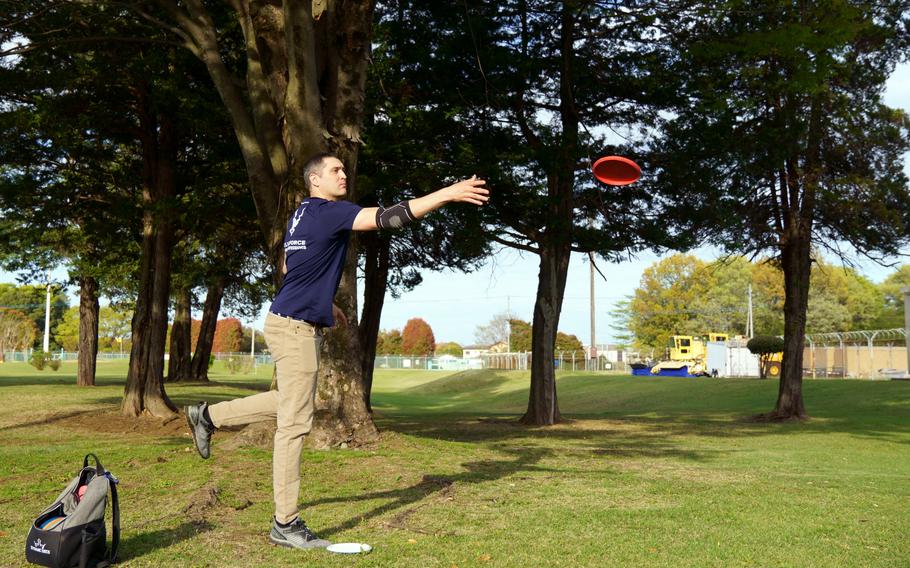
(294, 345)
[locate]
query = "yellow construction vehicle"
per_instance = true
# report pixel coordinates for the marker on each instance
(686, 355)
(773, 363)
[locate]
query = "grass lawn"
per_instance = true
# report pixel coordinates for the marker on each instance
(647, 472)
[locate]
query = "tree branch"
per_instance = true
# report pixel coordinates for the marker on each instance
(303, 105)
(512, 244)
(21, 49)
(265, 114)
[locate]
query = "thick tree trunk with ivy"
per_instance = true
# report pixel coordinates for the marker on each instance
(88, 331)
(303, 93)
(180, 351)
(199, 368)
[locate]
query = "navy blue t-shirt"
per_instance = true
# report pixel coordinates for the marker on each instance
(315, 244)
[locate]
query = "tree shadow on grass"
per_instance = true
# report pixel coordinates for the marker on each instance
(525, 460)
(136, 545)
(659, 429)
(442, 485)
(55, 380)
(719, 409)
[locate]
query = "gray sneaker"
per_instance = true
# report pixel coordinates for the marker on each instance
(200, 428)
(296, 535)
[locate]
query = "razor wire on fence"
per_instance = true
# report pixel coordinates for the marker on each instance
(562, 361)
(878, 353)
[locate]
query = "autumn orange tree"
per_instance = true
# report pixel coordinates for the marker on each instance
(417, 338)
(228, 333)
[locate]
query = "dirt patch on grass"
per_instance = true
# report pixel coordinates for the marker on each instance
(113, 422)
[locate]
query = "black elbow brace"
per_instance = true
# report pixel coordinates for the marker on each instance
(395, 217)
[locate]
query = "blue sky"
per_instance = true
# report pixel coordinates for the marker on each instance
(454, 304)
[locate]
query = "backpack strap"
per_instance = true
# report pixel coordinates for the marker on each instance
(111, 557)
(98, 467)
(115, 518)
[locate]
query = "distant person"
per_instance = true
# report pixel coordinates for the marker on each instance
(315, 244)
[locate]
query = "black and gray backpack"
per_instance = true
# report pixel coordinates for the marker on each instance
(71, 533)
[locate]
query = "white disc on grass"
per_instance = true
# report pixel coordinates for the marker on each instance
(349, 547)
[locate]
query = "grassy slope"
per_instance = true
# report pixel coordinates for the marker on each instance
(654, 472)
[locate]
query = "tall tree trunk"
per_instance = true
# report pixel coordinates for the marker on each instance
(796, 265)
(543, 408)
(156, 401)
(144, 391)
(88, 331)
(178, 365)
(556, 247)
(341, 411)
(132, 396)
(376, 248)
(199, 368)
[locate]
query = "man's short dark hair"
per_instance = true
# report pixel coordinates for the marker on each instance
(314, 166)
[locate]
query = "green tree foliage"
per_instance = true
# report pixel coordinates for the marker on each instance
(682, 295)
(568, 343)
(538, 86)
(417, 338)
(133, 150)
(389, 342)
(411, 145)
(113, 324)
(664, 303)
(778, 140)
(31, 299)
(892, 314)
(449, 348)
(247, 336)
(765, 346)
(521, 335)
(17, 331)
(67, 332)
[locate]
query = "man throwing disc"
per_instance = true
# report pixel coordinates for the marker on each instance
(315, 244)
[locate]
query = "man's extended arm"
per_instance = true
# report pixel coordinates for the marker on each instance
(465, 191)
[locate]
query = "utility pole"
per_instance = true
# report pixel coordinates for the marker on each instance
(750, 331)
(906, 292)
(47, 318)
(509, 323)
(592, 353)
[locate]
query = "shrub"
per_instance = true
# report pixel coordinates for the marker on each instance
(54, 364)
(237, 364)
(765, 346)
(38, 360)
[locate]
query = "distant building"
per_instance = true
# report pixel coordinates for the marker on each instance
(501, 347)
(613, 353)
(475, 351)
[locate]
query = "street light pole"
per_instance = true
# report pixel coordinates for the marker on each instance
(906, 292)
(47, 320)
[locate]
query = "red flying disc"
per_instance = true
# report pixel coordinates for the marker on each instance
(616, 170)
